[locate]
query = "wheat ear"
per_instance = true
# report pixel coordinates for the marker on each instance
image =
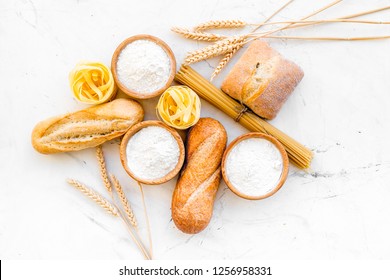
(95, 196)
(199, 36)
(102, 167)
(124, 201)
(218, 48)
(216, 24)
(223, 62)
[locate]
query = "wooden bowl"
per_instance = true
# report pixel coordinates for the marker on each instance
(159, 42)
(282, 151)
(133, 130)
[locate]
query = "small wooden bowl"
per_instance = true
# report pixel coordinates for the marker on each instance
(159, 42)
(133, 130)
(282, 151)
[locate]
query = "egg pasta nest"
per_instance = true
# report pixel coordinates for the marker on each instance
(179, 107)
(92, 83)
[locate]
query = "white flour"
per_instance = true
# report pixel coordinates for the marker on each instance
(152, 153)
(254, 166)
(143, 66)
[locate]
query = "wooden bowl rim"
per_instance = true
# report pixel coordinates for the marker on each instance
(278, 145)
(133, 130)
(159, 42)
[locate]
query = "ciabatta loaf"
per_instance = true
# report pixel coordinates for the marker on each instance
(262, 79)
(86, 128)
(193, 197)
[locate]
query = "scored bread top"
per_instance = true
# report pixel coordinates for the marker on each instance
(193, 197)
(86, 128)
(262, 79)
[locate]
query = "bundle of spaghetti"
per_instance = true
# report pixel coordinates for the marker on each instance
(298, 154)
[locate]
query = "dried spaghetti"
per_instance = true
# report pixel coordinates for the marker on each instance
(298, 154)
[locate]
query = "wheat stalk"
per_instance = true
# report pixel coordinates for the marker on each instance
(217, 24)
(95, 196)
(218, 48)
(113, 209)
(228, 46)
(199, 36)
(271, 16)
(331, 38)
(147, 219)
(124, 201)
(337, 20)
(102, 167)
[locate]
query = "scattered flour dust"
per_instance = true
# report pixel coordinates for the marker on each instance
(143, 66)
(254, 166)
(152, 153)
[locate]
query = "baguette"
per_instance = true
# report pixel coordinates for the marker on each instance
(86, 128)
(194, 195)
(262, 79)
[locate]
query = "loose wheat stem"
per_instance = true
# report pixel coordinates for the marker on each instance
(133, 234)
(124, 201)
(331, 38)
(102, 167)
(345, 17)
(129, 213)
(195, 35)
(135, 238)
(313, 22)
(322, 9)
(274, 14)
(367, 12)
(95, 196)
(147, 219)
(218, 24)
(304, 18)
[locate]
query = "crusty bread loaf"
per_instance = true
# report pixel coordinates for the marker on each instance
(86, 128)
(262, 79)
(193, 197)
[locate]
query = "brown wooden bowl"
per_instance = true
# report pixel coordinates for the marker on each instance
(133, 130)
(159, 42)
(282, 151)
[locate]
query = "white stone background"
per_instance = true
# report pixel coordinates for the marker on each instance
(339, 209)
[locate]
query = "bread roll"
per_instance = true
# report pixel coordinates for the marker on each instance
(193, 197)
(86, 128)
(262, 79)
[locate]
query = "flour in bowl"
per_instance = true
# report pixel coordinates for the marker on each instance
(152, 153)
(254, 166)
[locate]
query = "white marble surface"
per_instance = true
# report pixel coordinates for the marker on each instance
(339, 209)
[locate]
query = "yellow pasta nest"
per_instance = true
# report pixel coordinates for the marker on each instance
(179, 107)
(92, 83)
